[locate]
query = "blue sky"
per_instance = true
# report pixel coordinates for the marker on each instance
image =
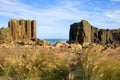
(54, 16)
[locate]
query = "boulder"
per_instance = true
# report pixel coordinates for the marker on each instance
(86, 44)
(75, 46)
(58, 44)
(42, 42)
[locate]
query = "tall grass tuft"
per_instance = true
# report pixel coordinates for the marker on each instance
(34, 66)
(100, 66)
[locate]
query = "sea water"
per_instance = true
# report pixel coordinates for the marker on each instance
(53, 41)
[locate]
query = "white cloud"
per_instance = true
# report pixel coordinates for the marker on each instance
(50, 18)
(44, 17)
(113, 15)
(56, 13)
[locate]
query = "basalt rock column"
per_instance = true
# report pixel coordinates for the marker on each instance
(28, 25)
(74, 32)
(33, 29)
(86, 30)
(18, 30)
(80, 32)
(22, 24)
(22, 29)
(13, 26)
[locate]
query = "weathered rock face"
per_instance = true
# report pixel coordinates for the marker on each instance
(18, 30)
(84, 32)
(22, 29)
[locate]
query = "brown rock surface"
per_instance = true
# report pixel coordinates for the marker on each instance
(58, 44)
(42, 42)
(84, 32)
(18, 30)
(33, 27)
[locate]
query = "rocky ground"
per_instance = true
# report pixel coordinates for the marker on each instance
(69, 62)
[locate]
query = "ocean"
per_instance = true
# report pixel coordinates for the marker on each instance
(53, 41)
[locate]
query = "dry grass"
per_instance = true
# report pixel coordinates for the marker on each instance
(34, 63)
(98, 65)
(46, 63)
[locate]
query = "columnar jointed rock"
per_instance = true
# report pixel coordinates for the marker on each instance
(18, 30)
(78, 32)
(33, 27)
(22, 29)
(84, 32)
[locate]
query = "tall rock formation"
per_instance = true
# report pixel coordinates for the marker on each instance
(18, 30)
(84, 32)
(22, 29)
(33, 29)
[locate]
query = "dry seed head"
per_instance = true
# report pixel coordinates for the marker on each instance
(95, 67)
(101, 75)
